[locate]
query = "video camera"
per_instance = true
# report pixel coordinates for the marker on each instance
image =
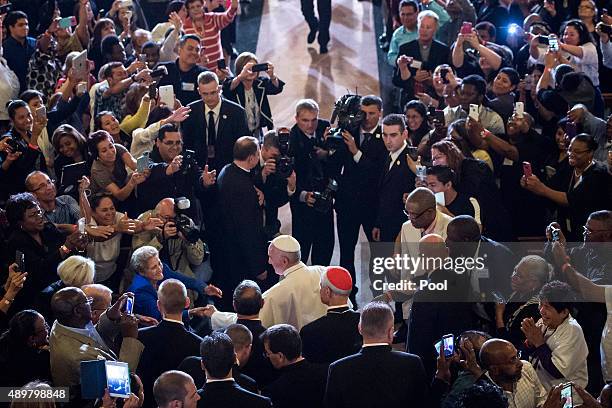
(350, 116)
(183, 222)
(284, 163)
(15, 145)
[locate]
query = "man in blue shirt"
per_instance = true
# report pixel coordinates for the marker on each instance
(18, 47)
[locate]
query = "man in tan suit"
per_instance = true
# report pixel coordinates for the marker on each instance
(74, 338)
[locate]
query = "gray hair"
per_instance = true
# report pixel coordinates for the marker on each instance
(141, 256)
(538, 267)
(77, 271)
(427, 13)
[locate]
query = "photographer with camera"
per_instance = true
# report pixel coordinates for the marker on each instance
(275, 177)
(362, 163)
(188, 181)
(312, 219)
(178, 240)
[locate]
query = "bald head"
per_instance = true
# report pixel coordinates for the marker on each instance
(433, 246)
(495, 351)
(166, 204)
(70, 307)
(423, 198)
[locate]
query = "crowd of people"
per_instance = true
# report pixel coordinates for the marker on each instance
(142, 173)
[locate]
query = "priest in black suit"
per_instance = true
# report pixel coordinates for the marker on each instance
(242, 251)
(213, 125)
(335, 335)
(312, 228)
(301, 383)
(220, 390)
(377, 376)
(362, 164)
(157, 357)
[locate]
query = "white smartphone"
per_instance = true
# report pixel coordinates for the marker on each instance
(519, 108)
(81, 224)
(474, 111)
(166, 95)
(81, 88)
(416, 64)
(440, 198)
(80, 66)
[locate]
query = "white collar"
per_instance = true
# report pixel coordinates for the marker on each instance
(293, 268)
(216, 110)
(174, 321)
(240, 167)
(211, 380)
(396, 153)
(375, 345)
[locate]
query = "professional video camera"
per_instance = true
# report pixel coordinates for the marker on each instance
(348, 111)
(183, 222)
(284, 163)
(188, 162)
(323, 200)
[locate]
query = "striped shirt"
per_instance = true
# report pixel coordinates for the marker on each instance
(210, 34)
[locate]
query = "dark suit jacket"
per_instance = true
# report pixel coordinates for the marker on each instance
(241, 223)
(392, 186)
(300, 384)
(258, 367)
(377, 377)
(262, 87)
(166, 346)
(192, 365)
(436, 313)
(438, 54)
(331, 337)
(358, 184)
(312, 174)
(231, 125)
(275, 193)
(225, 394)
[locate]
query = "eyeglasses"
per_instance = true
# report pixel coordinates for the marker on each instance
(577, 152)
(37, 213)
(88, 301)
(587, 231)
(47, 183)
(173, 143)
(414, 217)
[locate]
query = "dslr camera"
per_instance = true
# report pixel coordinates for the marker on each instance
(284, 163)
(188, 163)
(15, 145)
(350, 116)
(183, 222)
(324, 199)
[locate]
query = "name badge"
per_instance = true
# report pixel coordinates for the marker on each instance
(188, 86)
(483, 273)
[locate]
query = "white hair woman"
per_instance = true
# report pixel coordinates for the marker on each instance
(149, 272)
(77, 271)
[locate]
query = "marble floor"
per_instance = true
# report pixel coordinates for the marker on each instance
(351, 65)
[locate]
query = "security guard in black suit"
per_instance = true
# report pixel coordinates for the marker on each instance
(396, 180)
(361, 168)
(313, 229)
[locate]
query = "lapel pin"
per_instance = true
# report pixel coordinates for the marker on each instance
(397, 162)
(224, 116)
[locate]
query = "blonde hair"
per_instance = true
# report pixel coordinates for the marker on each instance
(77, 271)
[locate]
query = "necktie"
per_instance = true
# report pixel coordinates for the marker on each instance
(366, 136)
(212, 133)
(388, 164)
